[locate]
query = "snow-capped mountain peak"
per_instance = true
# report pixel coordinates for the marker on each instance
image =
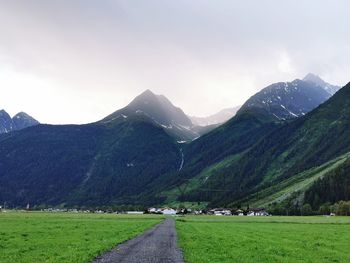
(286, 100)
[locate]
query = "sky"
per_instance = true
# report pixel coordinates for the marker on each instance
(76, 61)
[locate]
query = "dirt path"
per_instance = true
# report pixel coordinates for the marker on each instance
(155, 245)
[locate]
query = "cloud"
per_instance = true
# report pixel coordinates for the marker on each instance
(285, 64)
(85, 59)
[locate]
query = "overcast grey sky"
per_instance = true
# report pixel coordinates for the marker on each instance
(72, 61)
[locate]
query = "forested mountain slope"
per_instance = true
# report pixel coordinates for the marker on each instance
(258, 117)
(94, 164)
(302, 144)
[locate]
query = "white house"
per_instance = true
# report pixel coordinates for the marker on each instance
(135, 212)
(152, 210)
(257, 212)
(221, 212)
(240, 212)
(168, 211)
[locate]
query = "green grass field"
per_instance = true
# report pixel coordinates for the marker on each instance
(64, 237)
(264, 239)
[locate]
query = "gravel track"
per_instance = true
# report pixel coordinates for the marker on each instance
(157, 245)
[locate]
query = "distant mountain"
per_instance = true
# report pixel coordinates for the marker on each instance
(261, 115)
(268, 108)
(308, 148)
(218, 118)
(19, 121)
(163, 113)
(134, 155)
(6, 123)
(159, 108)
(22, 120)
(312, 78)
(287, 100)
(86, 165)
(304, 160)
(111, 161)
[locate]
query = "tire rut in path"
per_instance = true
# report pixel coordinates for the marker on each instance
(157, 245)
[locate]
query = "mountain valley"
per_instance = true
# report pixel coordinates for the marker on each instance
(273, 152)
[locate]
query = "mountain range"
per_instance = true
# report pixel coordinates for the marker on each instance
(270, 160)
(272, 153)
(20, 121)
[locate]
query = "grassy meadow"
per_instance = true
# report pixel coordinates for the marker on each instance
(264, 239)
(69, 237)
(65, 237)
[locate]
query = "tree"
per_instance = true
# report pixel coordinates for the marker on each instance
(325, 209)
(343, 208)
(306, 210)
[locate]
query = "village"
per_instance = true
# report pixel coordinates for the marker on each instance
(160, 211)
(215, 211)
(165, 211)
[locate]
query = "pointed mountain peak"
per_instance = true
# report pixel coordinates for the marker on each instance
(6, 124)
(147, 93)
(159, 110)
(23, 120)
(146, 97)
(21, 114)
(310, 77)
(316, 80)
(4, 113)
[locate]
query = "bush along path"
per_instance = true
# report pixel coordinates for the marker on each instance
(157, 245)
